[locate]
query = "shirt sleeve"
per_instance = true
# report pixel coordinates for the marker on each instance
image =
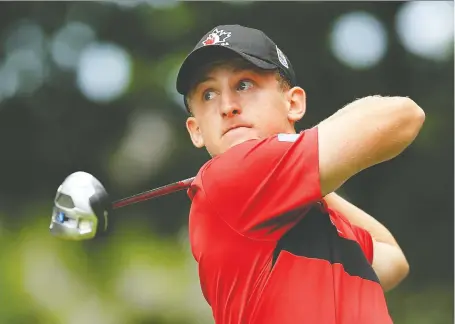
(365, 241)
(261, 188)
(353, 232)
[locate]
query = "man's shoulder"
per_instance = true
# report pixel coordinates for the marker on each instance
(249, 162)
(251, 155)
(243, 150)
(234, 154)
(227, 169)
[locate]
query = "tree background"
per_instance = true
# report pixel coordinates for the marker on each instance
(90, 86)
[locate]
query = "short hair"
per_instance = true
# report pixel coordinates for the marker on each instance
(235, 62)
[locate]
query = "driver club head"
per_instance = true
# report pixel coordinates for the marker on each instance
(81, 207)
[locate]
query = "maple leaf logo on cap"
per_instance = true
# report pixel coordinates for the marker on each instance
(217, 37)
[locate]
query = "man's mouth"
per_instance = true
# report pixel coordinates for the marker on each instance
(235, 127)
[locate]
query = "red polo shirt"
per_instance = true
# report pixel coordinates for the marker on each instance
(268, 248)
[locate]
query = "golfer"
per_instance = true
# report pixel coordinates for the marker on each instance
(274, 243)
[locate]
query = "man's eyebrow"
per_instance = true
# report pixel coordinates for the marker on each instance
(241, 69)
(199, 81)
(204, 79)
(248, 69)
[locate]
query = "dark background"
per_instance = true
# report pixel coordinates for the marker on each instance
(143, 272)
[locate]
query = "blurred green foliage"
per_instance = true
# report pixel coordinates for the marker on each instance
(143, 271)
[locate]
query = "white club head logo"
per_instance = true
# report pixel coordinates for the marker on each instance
(217, 37)
(282, 58)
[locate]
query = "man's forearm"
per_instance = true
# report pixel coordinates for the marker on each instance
(389, 262)
(360, 218)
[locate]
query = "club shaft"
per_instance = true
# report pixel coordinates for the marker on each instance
(150, 194)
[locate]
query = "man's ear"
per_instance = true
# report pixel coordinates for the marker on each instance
(297, 104)
(195, 132)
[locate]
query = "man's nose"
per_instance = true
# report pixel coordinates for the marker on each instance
(230, 106)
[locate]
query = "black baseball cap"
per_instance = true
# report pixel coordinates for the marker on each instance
(251, 44)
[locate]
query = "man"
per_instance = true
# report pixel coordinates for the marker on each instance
(273, 242)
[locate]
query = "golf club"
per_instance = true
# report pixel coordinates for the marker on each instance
(160, 191)
(82, 205)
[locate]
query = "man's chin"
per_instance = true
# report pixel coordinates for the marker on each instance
(240, 140)
(238, 136)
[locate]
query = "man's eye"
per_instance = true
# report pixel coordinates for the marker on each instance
(208, 95)
(245, 85)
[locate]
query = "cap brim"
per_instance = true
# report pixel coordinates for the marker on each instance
(205, 55)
